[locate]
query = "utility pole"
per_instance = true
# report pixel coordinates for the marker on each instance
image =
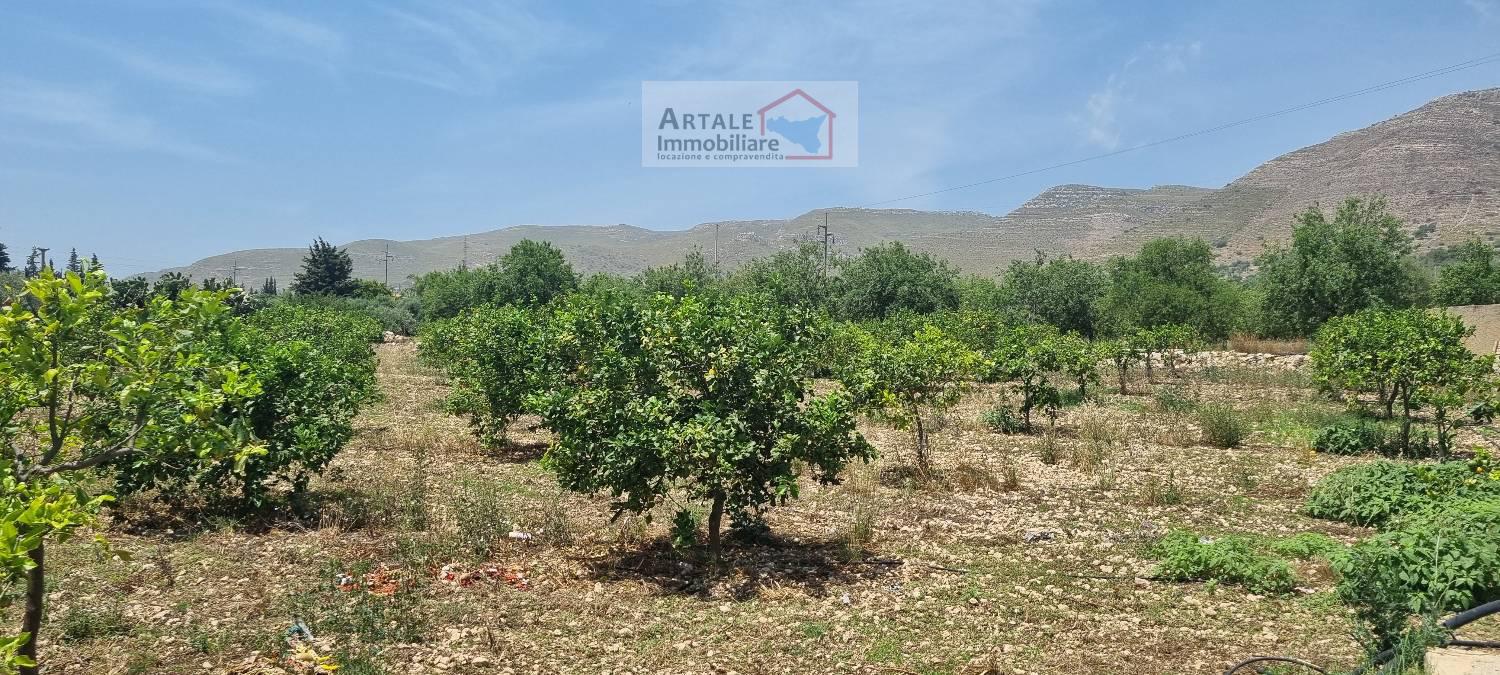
(387, 261)
(44, 256)
(826, 237)
(716, 250)
(234, 272)
(465, 264)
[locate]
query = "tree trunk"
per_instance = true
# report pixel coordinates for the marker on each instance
(36, 593)
(715, 517)
(921, 445)
(1406, 423)
(1120, 366)
(1386, 400)
(1149, 376)
(1083, 388)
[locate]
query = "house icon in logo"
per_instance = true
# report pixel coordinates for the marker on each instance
(801, 132)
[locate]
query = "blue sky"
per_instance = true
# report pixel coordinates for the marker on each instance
(154, 132)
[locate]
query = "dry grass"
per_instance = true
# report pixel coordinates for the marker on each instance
(866, 576)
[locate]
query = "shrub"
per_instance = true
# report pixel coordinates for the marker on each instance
(1223, 427)
(1003, 420)
(1171, 400)
(1441, 560)
(1305, 545)
(1185, 556)
(397, 315)
(1351, 438)
(1373, 494)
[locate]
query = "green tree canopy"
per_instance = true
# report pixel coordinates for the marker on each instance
(533, 273)
(1334, 267)
(1171, 281)
(1472, 279)
(890, 278)
(86, 386)
(5, 259)
(326, 270)
(706, 395)
(1412, 357)
(794, 278)
(1062, 292)
(693, 276)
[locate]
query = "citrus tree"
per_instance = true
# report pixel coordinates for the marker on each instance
(910, 381)
(83, 385)
(1412, 357)
(1028, 356)
(1123, 353)
(491, 354)
(707, 396)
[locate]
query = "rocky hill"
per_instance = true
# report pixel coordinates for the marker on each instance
(1438, 165)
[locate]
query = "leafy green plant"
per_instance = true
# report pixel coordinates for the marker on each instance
(1304, 545)
(1414, 358)
(316, 370)
(1223, 426)
(86, 385)
(1375, 493)
(492, 356)
(709, 396)
(1440, 560)
(684, 529)
(1171, 400)
(1027, 356)
(911, 381)
(1351, 438)
(1186, 556)
(1002, 419)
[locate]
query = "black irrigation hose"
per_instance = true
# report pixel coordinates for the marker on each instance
(1454, 622)
(1283, 659)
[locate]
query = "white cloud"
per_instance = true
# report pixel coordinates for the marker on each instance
(204, 77)
(282, 34)
(91, 116)
(468, 47)
(1148, 66)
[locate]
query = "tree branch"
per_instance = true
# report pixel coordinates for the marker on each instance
(120, 449)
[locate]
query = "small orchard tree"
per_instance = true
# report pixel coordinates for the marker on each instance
(1123, 353)
(1028, 356)
(1418, 354)
(709, 396)
(911, 381)
(1078, 359)
(86, 385)
(492, 356)
(1177, 341)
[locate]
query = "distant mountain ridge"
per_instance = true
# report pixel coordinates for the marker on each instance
(1438, 165)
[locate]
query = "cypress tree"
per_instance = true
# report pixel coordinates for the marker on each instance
(325, 271)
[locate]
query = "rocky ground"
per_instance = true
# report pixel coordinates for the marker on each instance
(426, 553)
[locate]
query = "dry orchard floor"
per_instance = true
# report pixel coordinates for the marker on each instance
(870, 576)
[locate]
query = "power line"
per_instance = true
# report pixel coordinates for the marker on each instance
(1463, 65)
